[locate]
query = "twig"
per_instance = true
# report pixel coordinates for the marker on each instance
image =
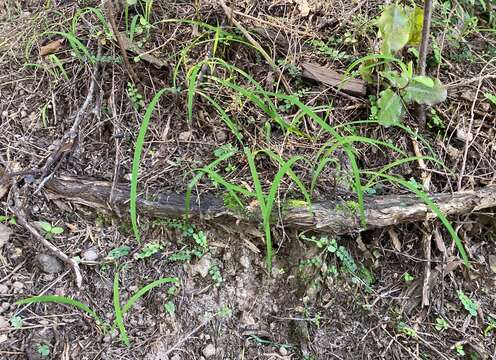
(21, 218)
(120, 42)
(424, 43)
(427, 234)
(229, 13)
(69, 140)
(184, 339)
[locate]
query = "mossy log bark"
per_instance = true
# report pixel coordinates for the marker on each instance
(327, 215)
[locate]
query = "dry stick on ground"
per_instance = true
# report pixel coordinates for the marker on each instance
(326, 216)
(427, 234)
(21, 219)
(120, 42)
(69, 140)
(229, 13)
(426, 28)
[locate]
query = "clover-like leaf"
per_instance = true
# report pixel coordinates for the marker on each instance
(416, 21)
(394, 27)
(417, 91)
(390, 108)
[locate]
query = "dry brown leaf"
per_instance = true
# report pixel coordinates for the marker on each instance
(395, 239)
(51, 47)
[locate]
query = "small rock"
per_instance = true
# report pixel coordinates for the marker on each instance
(49, 263)
(185, 135)
(3, 338)
(24, 113)
(221, 136)
(18, 286)
(90, 255)
(283, 351)
(245, 262)
(5, 114)
(176, 357)
(209, 351)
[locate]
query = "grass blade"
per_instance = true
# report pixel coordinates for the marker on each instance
(142, 292)
(63, 300)
(119, 318)
(137, 159)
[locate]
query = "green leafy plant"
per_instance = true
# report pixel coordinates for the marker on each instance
(491, 324)
(119, 310)
(136, 97)
(407, 330)
(50, 230)
(399, 26)
(490, 97)
(44, 350)
(468, 303)
(408, 277)
(16, 322)
(215, 274)
(441, 324)
(148, 250)
(10, 219)
(459, 349)
(170, 307)
(118, 252)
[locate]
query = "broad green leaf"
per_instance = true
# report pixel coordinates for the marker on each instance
(394, 28)
(420, 93)
(57, 230)
(396, 79)
(46, 226)
(131, 2)
(118, 252)
(390, 108)
(427, 81)
(416, 20)
(468, 303)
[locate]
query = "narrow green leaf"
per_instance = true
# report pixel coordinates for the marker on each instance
(390, 108)
(145, 289)
(62, 300)
(119, 318)
(137, 159)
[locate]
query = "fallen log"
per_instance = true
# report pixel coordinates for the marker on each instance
(335, 217)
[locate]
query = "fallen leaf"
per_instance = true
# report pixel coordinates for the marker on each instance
(395, 239)
(51, 47)
(5, 233)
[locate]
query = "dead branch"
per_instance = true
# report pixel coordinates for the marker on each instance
(20, 214)
(68, 142)
(326, 216)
